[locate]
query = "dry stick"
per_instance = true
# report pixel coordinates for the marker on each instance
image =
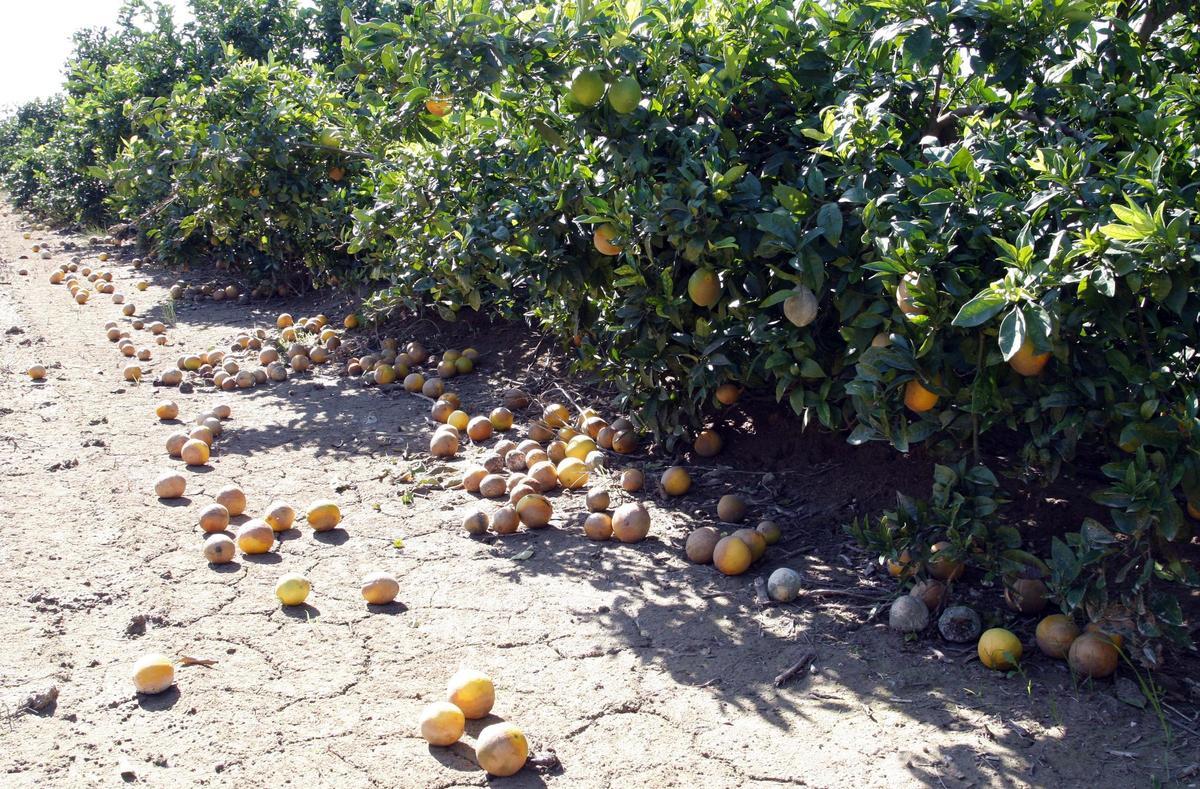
(843, 593)
(794, 669)
(570, 399)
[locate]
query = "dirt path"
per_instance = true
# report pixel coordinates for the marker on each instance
(635, 667)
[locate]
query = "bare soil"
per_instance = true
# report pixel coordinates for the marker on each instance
(628, 664)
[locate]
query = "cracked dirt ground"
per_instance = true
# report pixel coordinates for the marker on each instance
(634, 667)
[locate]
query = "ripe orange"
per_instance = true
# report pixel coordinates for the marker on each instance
(728, 394)
(999, 649)
(1055, 634)
(676, 481)
(755, 541)
(1093, 655)
(731, 509)
(732, 556)
(701, 543)
(153, 674)
(439, 107)
(905, 300)
(631, 522)
(707, 443)
(441, 723)
(918, 398)
(472, 692)
(380, 588)
(602, 239)
(942, 567)
(903, 566)
(194, 452)
(336, 173)
(598, 526)
(323, 515)
(501, 749)
(1026, 362)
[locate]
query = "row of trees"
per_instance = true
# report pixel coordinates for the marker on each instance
(909, 221)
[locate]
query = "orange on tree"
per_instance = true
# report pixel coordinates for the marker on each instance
(587, 88)
(1028, 362)
(625, 95)
(801, 307)
(439, 106)
(905, 299)
(336, 173)
(704, 289)
(728, 394)
(918, 398)
(602, 239)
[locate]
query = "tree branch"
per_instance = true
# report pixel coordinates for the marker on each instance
(936, 106)
(946, 118)
(1154, 18)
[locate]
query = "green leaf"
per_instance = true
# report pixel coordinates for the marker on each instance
(777, 297)
(986, 305)
(1123, 232)
(1012, 333)
(829, 219)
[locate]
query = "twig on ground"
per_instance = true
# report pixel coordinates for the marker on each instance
(798, 667)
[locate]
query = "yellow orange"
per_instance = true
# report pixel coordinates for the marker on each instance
(918, 398)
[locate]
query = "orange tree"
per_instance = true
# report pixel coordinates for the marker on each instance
(914, 222)
(250, 169)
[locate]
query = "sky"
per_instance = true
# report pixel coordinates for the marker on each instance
(35, 39)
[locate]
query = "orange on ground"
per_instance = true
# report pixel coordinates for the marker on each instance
(1055, 635)
(194, 452)
(153, 674)
(999, 649)
(323, 515)
(501, 749)
(732, 556)
(472, 692)
(380, 588)
(441, 723)
(279, 516)
(676, 481)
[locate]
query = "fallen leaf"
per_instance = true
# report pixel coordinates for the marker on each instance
(523, 555)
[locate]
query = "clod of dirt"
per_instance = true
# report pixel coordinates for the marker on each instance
(39, 700)
(137, 624)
